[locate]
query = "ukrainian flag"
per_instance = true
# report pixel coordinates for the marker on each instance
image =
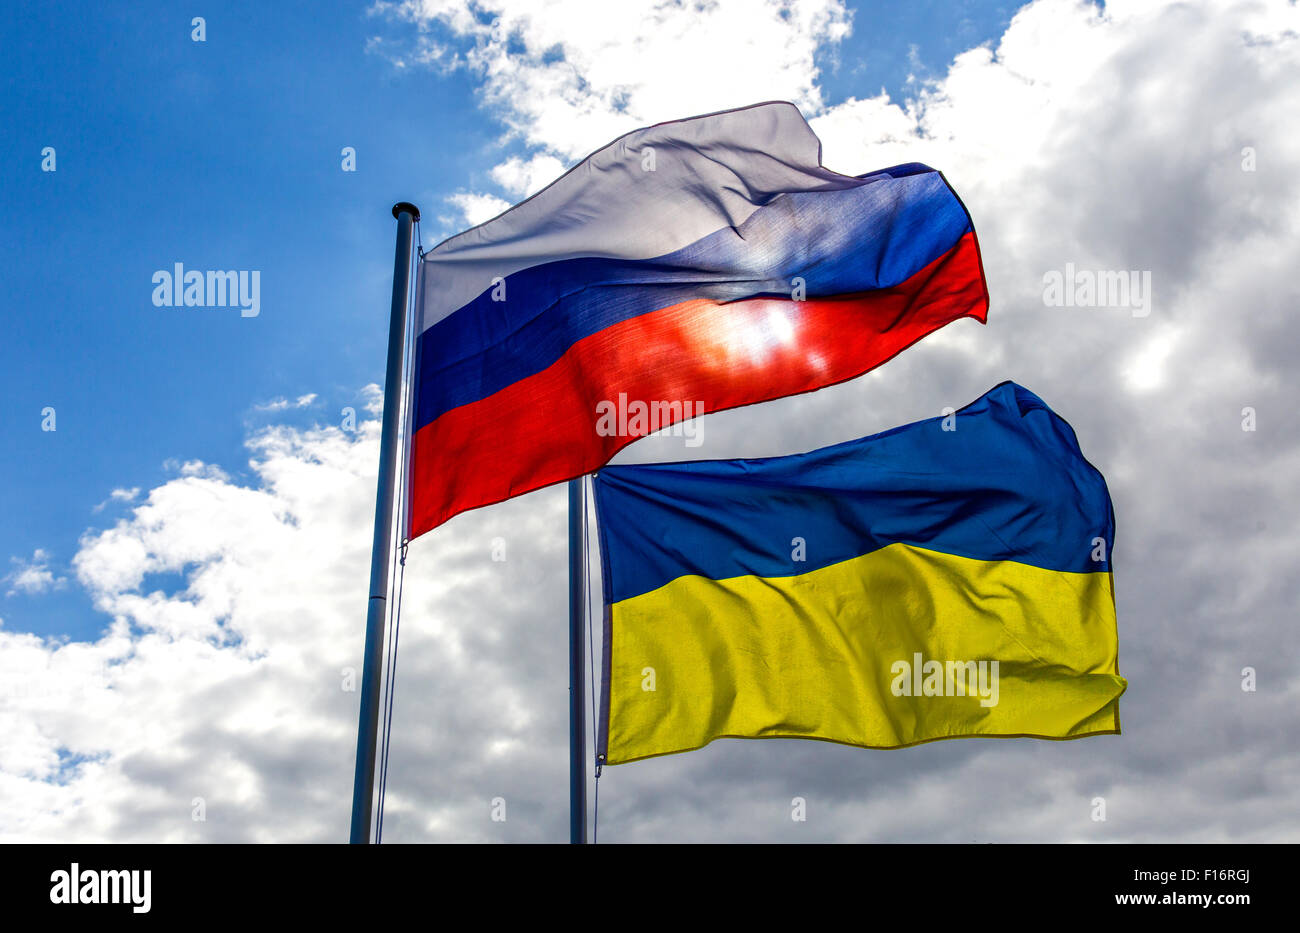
(947, 578)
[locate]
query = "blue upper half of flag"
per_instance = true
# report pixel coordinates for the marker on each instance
(1000, 479)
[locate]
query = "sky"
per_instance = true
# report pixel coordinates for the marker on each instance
(183, 557)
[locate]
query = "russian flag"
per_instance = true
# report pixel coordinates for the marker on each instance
(685, 268)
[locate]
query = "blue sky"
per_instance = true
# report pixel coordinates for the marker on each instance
(226, 154)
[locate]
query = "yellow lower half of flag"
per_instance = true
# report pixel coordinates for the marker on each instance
(898, 646)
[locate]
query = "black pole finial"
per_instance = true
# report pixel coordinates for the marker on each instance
(408, 207)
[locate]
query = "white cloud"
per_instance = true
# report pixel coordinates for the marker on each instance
(119, 495)
(195, 468)
(34, 576)
(522, 177)
(283, 404)
(277, 404)
(233, 613)
(570, 75)
(372, 398)
(476, 208)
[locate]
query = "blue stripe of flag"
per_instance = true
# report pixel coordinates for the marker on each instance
(1010, 483)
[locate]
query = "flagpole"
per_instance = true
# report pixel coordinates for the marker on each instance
(381, 554)
(577, 695)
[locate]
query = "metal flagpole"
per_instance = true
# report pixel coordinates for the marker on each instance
(381, 556)
(577, 699)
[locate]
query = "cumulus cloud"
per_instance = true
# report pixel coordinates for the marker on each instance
(523, 177)
(567, 76)
(226, 672)
(1111, 140)
(570, 75)
(32, 576)
(476, 208)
